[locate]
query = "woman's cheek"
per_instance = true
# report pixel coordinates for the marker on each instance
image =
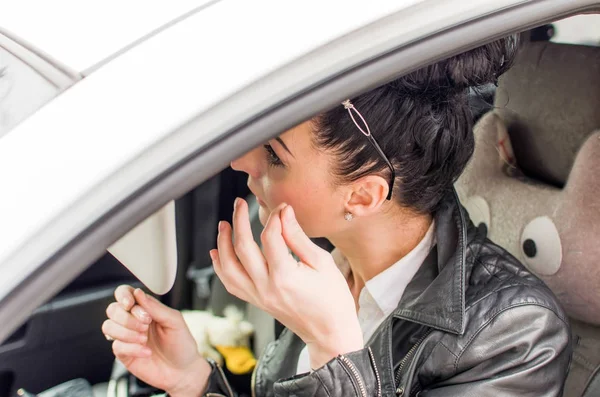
(273, 199)
(273, 196)
(308, 220)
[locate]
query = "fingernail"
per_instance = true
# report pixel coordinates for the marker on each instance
(212, 255)
(127, 302)
(288, 214)
(221, 226)
(143, 338)
(142, 315)
(236, 202)
(145, 317)
(144, 327)
(146, 351)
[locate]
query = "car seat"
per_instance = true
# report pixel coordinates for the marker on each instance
(549, 104)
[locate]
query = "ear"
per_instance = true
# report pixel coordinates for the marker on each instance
(246, 328)
(367, 195)
(492, 150)
(233, 313)
(504, 145)
(583, 186)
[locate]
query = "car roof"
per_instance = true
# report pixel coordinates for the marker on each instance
(80, 35)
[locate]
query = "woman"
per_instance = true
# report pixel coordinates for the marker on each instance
(413, 300)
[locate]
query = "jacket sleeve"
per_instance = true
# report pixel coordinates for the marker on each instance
(522, 351)
(349, 375)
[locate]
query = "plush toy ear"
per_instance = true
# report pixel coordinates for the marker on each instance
(493, 153)
(578, 220)
(583, 186)
(492, 146)
(246, 328)
(233, 313)
(504, 146)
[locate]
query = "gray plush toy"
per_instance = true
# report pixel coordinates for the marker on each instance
(554, 232)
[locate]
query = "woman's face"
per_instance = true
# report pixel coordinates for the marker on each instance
(290, 169)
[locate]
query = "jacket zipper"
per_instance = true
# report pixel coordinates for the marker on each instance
(253, 380)
(357, 377)
(225, 380)
(399, 389)
(372, 357)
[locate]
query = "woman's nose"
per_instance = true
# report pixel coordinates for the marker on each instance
(248, 163)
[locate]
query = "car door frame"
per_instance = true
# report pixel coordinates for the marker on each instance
(26, 355)
(242, 135)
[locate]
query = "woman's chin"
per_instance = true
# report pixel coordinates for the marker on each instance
(263, 215)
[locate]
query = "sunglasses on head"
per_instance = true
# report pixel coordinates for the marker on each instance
(367, 132)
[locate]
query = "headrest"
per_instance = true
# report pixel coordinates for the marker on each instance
(550, 103)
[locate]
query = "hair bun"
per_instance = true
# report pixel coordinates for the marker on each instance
(479, 66)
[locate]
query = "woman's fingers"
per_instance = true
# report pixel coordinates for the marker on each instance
(295, 238)
(124, 295)
(116, 313)
(151, 309)
(124, 350)
(244, 246)
(230, 271)
(118, 332)
(274, 247)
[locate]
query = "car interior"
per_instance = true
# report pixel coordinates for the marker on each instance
(549, 103)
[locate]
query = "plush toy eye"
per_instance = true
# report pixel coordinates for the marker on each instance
(479, 211)
(529, 248)
(541, 247)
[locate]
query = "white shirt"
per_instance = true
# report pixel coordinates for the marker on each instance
(381, 294)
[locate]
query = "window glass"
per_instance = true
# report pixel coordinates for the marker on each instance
(580, 29)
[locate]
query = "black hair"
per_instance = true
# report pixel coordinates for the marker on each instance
(422, 122)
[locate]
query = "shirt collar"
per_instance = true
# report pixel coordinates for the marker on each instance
(387, 287)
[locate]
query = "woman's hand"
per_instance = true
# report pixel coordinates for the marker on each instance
(310, 297)
(153, 342)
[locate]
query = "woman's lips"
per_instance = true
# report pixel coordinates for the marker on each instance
(260, 202)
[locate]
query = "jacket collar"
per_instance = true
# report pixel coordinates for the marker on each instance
(436, 295)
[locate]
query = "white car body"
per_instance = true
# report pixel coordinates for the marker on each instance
(143, 95)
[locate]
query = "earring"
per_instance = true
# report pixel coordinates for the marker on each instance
(348, 216)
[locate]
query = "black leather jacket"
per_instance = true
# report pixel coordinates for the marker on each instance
(472, 322)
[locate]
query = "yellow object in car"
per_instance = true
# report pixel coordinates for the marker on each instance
(239, 360)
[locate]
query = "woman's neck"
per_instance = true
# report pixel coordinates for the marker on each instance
(372, 245)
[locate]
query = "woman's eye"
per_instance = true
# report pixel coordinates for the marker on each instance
(272, 157)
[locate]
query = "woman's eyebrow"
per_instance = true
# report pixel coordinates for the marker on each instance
(278, 139)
